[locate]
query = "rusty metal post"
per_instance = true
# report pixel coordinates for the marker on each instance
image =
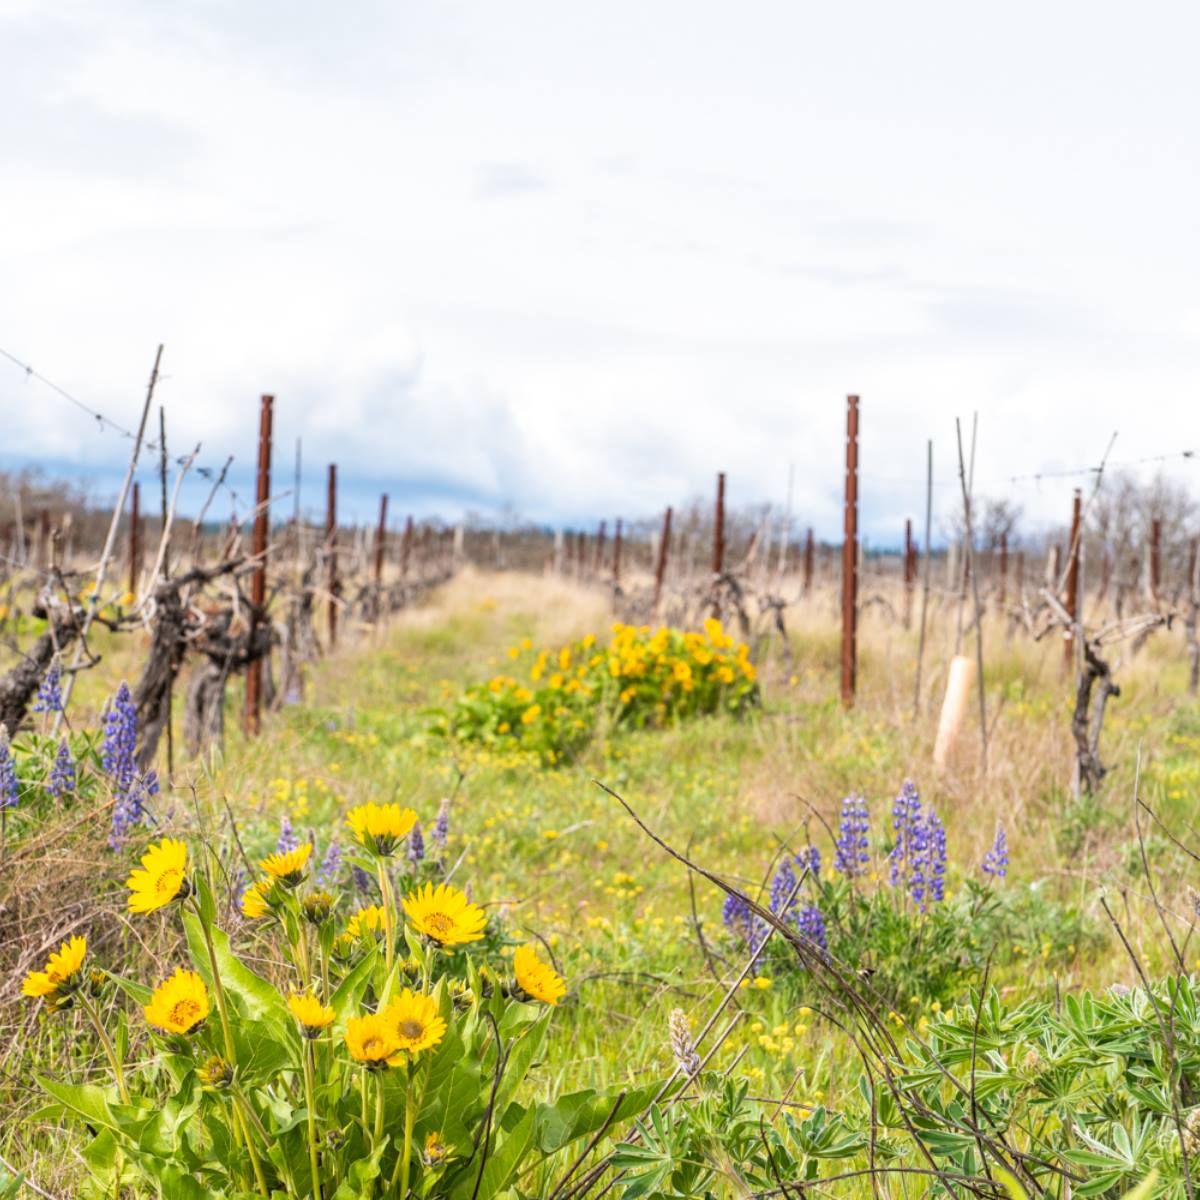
(135, 538)
(719, 527)
(406, 547)
(331, 551)
(1155, 559)
(664, 549)
(808, 560)
(598, 548)
(1002, 593)
(910, 571)
(252, 719)
(850, 559)
(581, 553)
(616, 574)
(1072, 598)
(380, 542)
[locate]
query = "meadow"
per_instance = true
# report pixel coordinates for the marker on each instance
(924, 982)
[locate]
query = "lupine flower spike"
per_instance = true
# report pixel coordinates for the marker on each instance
(8, 772)
(995, 861)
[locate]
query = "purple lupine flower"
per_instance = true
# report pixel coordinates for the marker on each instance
(49, 694)
(995, 861)
(936, 837)
(738, 917)
(918, 859)
(850, 850)
(287, 840)
(9, 797)
(416, 845)
(809, 859)
(906, 816)
(120, 740)
(810, 922)
(362, 881)
(330, 870)
(129, 807)
(62, 774)
(783, 888)
(441, 827)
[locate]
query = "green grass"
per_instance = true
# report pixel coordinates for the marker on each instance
(555, 856)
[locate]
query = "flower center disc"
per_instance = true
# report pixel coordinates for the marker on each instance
(440, 923)
(184, 1013)
(168, 882)
(410, 1029)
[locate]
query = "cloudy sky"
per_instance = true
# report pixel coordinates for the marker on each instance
(575, 258)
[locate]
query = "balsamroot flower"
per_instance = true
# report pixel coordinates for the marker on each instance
(288, 868)
(444, 914)
(312, 1015)
(61, 973)
(371, 919)
(682, 1047)
(255, 904)
(372, 1040)
(180, 1004)
(381, 827)
(161, 878)
(535, 978)
(416, 1021)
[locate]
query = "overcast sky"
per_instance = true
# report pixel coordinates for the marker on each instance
(575, 258)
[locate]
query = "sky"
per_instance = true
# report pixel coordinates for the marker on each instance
(570, 260)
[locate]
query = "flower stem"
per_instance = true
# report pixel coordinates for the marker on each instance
(310, 1100)
(220, 991)
(410, 1118)
(389, 919)
(378, 1110)
(109, 1050)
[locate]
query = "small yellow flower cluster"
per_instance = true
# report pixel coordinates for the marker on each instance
(552, 703)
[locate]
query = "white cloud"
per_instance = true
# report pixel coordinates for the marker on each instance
(580, 258)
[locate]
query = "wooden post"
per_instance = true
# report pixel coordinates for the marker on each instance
(252, 720)
(1072, 598)
(664, 549)
(598, 548)
(380, 540)
(910, 571)
(135, 539)
(850, 559)
(331, 550)
(1155, 560)
(719, 527)
(406, 547)
(616, 572)
(808, 561)
(1002, 593)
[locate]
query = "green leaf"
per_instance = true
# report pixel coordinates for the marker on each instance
(1143, 1189)
(85, 1099)
(257, 998)
(1011, 1183)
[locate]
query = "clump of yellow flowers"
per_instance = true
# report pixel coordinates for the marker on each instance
(368, 1062)
(553, 699)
